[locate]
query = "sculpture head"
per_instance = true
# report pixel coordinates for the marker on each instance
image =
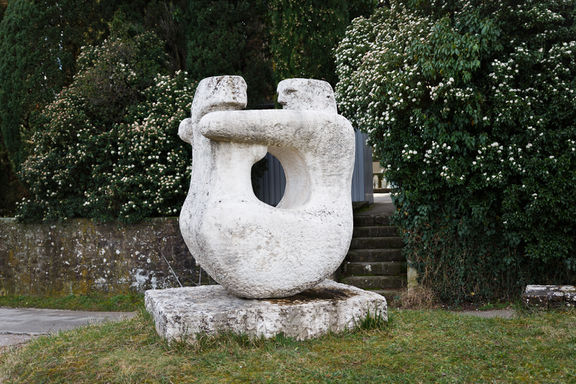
(218, 93)
(306, 94)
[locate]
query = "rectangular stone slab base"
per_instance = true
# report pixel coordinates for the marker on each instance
(181, 314)
(549, 296)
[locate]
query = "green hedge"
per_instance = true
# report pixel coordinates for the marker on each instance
(471, 106)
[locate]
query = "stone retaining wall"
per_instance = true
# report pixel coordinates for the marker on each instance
(82, 257)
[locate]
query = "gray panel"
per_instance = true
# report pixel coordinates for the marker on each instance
(272, 183)
(362, 189)
(368, 172)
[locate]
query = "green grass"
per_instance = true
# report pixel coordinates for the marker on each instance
(120, 303)
(414, 347)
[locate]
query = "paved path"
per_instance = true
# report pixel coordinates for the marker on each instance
(19, 325)
(495, 313)
(382, 206)
(382, 198)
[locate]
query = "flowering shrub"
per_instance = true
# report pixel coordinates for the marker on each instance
(151, 176)
(471, 107)
(119, 159)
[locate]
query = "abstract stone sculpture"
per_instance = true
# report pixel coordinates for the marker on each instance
(252, 249)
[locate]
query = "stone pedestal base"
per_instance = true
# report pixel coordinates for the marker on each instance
(549, 296)
(183, 313)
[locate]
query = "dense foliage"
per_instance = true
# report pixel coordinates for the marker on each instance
(38, 44)
(108, 148)
(11, 190)
(227, 37)
(471, 106)
(95, 93)
(295, 53)
(168, 19)
(304, 34)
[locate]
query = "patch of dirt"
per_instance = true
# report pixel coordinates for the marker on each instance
(314, 294)
(10, 340)
(477, 306)
(490, 314)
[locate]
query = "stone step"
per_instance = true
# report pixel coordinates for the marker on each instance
(376, 231)
(366, 255)
(380, 268)
(376, 243)
(370, 220)
(376, 282)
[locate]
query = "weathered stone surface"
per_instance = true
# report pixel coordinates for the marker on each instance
(306, 94)
(183, 313)
(549, 296)
(80, 257)
(250, 248)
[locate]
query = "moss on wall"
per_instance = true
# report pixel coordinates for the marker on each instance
(82, 257)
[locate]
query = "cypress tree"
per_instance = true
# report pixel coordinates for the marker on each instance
(39, 41)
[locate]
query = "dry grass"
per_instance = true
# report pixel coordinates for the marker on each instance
(418, 298)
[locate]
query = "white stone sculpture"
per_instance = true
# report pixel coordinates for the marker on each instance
(252, 249)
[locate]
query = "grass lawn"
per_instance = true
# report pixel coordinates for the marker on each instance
(414, 347)
(118, 303)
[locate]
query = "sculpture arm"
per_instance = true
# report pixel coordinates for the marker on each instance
(283, 128)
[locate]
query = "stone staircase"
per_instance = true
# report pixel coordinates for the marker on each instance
(374, 261)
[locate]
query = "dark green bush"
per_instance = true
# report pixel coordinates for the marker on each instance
(229, 37)
(304, 34)
(39, 42)
(471, 106)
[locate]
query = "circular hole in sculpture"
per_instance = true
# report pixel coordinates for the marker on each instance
(268, 180)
